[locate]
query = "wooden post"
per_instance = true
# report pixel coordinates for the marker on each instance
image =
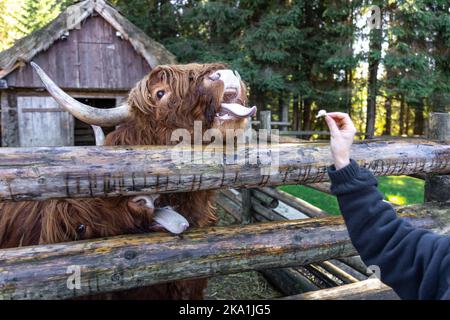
(439, 126)
(265, 121)
(246, 206)
(284, 116)
(437, 187)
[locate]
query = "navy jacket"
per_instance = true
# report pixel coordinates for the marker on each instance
(414, 262)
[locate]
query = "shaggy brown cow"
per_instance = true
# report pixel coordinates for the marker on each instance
(170, 97)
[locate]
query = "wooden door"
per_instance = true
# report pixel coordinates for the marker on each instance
(43, 123)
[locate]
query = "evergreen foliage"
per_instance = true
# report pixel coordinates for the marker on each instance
(304, 53)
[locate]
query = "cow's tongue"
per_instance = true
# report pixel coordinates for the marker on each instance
(237, 110)
(171, 220)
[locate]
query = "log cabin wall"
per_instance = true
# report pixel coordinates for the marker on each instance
(92, 57)
(92, 62)
(9, 122)
(29, 117)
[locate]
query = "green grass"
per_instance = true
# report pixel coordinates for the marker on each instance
(399, 190)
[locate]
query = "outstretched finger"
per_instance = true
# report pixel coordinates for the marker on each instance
(343, 120)
(334, 130)
(338, 115)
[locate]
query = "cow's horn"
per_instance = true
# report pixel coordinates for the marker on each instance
(83, 112)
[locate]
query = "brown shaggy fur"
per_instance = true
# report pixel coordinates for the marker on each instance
(189, 96)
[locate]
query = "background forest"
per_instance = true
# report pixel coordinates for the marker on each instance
(307, 55)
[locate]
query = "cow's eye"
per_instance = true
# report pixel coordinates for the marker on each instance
(81, 229)
(160, 94)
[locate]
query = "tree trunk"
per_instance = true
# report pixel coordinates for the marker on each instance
(419, 120)
(295, 113)
(402, 114)
(388, 107)
(372, 90)
(307, 114)
(259, 99)
(408, 118)
(283, 111)
(349, 89)
(300, 114)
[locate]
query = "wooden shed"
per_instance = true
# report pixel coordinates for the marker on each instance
(92, 52)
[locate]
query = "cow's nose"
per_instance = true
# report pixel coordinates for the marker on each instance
(215, 76)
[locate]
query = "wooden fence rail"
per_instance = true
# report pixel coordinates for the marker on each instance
(71, 172)
(371, 289)
(43, 272)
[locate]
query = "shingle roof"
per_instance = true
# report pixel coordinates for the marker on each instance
(40, 40)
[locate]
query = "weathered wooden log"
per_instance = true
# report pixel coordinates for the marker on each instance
(327, 279)
(233, 194)
(274, 123)
(310, 133)
(246, 207)
(289, 281)
(68, 172)
(232, 203)
(257, 209)
(321, 186)
(40, 272)
(338, 272)
(299, 204)
(348, 269)
(229, 206)
(266, 213)
(356, 263)
(265, 200)
(288, 212)
(441, 209)
(371, 289)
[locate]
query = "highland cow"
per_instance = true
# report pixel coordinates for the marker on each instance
(169, 98)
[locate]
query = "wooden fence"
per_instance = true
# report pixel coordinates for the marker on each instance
(40, 272)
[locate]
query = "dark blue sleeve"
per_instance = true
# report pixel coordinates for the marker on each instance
(414, 262)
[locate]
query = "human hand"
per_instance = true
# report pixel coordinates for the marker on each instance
(342, 132)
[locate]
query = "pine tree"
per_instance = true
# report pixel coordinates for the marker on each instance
(300, 54)
(440, 20)
(9, 32)
(374, 58)
(37, 14)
